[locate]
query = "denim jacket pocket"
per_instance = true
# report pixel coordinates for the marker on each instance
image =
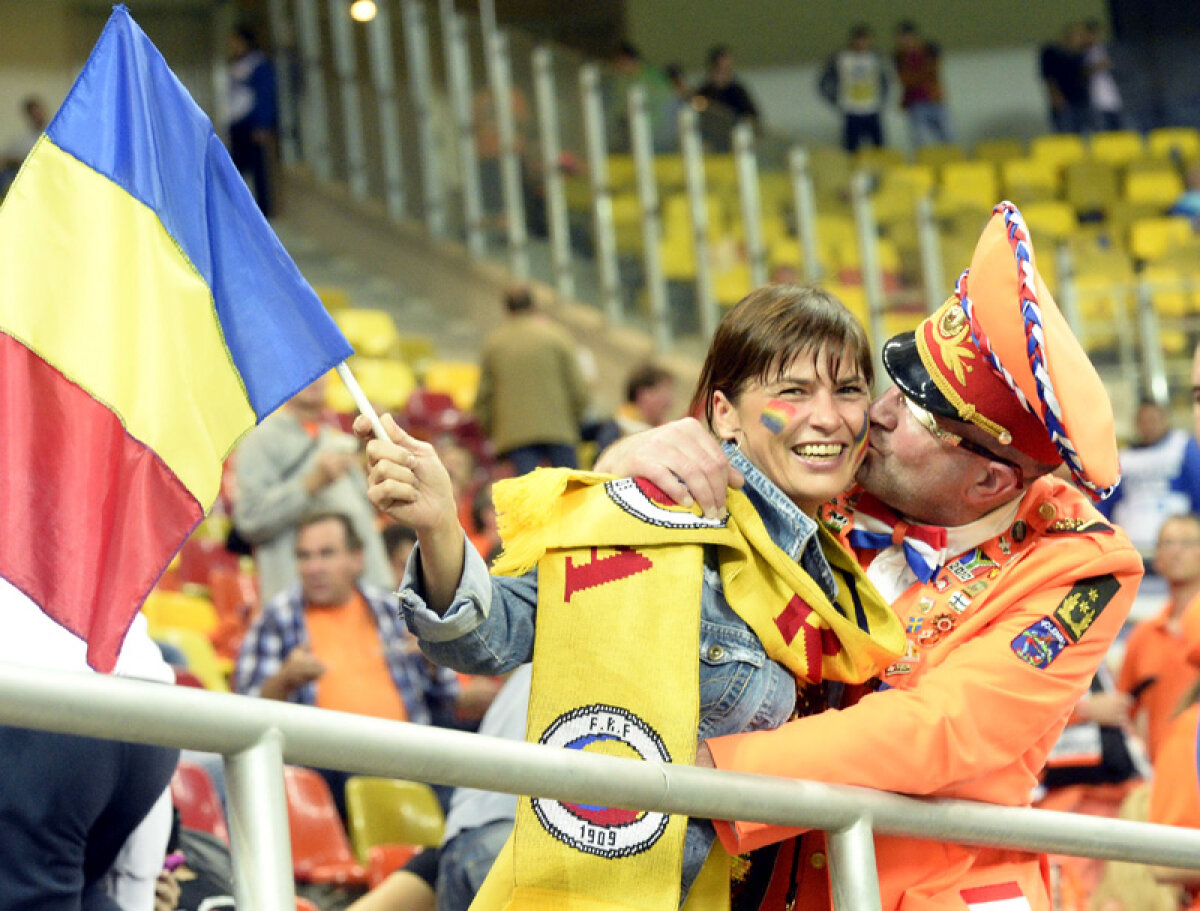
(736, 680)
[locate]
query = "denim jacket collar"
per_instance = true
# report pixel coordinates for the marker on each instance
(794, 532)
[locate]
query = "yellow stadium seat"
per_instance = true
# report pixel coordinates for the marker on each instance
(372, 333)
(878, 159)
(1174, 142)
(1099, 300)
(1057, 149)
(999, 151)
(775, 192)
(732, 284)
(1154, 186)
(164, 609)
(939, 154)
(333, 297)
(1051, 220)
(1154, 238)
(720, 171)
(387, 382)
(917, 179)
(202, 659)
(678, 257)
(968, 183)
(785, 251)
(1117, 147)
(388, 811)
(1027, 180)
(669, 171)
(855, 299)
(416, 349)
(627, 222)
(1090, 185)
(458, 379)
(902, 320)
(1172, 291)
(622, 172)
(577, 191)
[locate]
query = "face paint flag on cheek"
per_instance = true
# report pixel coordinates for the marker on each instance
(777, 414)
(860, 438)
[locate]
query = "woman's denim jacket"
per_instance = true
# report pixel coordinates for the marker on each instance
(489, 629)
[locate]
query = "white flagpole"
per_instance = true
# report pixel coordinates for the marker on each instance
(360, 400)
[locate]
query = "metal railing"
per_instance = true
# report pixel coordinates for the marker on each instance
(256, 736)
(508, 148)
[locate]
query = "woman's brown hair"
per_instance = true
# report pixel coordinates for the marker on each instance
(767, 329)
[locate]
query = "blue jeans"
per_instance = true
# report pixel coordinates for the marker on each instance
(465, 861)
(927, 123)
(525, 459)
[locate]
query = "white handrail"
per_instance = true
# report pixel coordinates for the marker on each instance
(98, 706)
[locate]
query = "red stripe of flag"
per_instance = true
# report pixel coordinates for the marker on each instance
(998, 892)
(89, 516)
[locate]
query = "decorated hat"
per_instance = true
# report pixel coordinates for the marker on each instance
(1000, 355)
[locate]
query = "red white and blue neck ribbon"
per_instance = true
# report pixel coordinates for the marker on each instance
(877, 527)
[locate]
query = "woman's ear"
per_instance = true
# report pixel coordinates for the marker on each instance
(727, 423)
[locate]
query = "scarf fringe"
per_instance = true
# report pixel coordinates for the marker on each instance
(525, 507)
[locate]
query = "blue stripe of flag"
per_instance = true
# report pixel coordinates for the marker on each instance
(129, 118)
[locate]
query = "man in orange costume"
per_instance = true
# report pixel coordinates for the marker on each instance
(1011, 585)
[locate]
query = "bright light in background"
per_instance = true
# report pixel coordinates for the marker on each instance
(362, 10)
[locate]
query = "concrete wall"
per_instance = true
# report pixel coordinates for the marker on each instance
(787, 32)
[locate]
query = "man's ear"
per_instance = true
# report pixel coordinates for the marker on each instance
(727, 424)
(996, 483)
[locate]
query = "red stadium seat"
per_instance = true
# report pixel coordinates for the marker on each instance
(196, 798)
(320, 849)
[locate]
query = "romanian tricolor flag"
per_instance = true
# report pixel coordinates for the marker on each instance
(149, 317)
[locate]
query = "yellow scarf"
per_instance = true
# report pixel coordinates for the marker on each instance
(620, 572)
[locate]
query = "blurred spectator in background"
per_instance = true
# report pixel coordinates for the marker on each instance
(918, 65)
(337, 643)
(628, 70)
(855, 82)
(488, 148)
(723, 101)
(649, 401)
(1103, 94)
(34, 113)
(1160, 477)
(1066, 81)
(253, 115)
(532, 393)
(1188, 204)
(399, 541)
(295, 462)
(1155, 671)
(1095, 764)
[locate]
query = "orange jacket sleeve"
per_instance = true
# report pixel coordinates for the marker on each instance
(977, 725)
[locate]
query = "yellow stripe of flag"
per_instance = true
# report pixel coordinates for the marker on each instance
(185, 400)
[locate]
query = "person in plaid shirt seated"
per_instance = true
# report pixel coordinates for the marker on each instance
(338, 643)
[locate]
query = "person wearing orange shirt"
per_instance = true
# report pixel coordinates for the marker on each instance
(1156, 671)
(1010, 584)
(336, 642)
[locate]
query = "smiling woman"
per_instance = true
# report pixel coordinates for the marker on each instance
(787, 380)
(763, 598)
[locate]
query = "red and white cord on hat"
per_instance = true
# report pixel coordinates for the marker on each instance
(1031, 313)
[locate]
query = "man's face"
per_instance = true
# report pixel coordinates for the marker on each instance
(328, 567)
(655, 402)
(909, 469)
(311, 398)
(1177, 554)
(1196, 391)
(1152, 423)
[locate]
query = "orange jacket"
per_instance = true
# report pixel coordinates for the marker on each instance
(1002, 643)
(1156, 665)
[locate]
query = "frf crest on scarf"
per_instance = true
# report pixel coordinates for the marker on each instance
(620, 581)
